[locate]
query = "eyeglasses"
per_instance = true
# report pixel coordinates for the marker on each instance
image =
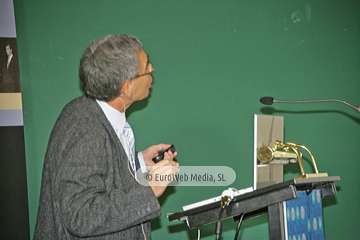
(149, 71)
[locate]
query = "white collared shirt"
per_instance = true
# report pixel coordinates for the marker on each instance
(117, 120)
(8, 61)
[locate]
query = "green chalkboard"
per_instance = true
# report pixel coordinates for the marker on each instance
(213, 61)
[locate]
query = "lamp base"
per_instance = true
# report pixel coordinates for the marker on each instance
(312, 175)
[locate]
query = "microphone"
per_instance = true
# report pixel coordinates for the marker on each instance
(271, 100)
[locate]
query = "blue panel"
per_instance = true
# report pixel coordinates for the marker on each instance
(304, 217)
(11, 118)
(7, 19)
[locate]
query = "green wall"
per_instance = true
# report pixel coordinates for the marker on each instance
(213, 61)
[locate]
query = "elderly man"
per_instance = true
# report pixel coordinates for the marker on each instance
(89, 184)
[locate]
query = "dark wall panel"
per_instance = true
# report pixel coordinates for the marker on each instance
(14, 217)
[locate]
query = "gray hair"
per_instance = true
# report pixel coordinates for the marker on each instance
(106, 63)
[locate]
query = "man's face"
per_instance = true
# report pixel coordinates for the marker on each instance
(8, 50)
(141, 85)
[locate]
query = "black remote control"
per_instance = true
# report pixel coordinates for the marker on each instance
(161, 155)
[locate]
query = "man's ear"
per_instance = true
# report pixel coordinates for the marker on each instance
(126, 89)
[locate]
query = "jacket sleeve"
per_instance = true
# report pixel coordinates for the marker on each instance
(94, 197)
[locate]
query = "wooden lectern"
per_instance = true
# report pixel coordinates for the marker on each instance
(268, 200)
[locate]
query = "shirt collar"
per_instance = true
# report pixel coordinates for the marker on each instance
(115, 117)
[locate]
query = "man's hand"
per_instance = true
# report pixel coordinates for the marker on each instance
(154, 150)
(162, 173)
(165, 167)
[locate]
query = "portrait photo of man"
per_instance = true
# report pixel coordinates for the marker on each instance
(9, 79)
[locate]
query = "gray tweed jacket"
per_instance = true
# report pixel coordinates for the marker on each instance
(87, 190)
